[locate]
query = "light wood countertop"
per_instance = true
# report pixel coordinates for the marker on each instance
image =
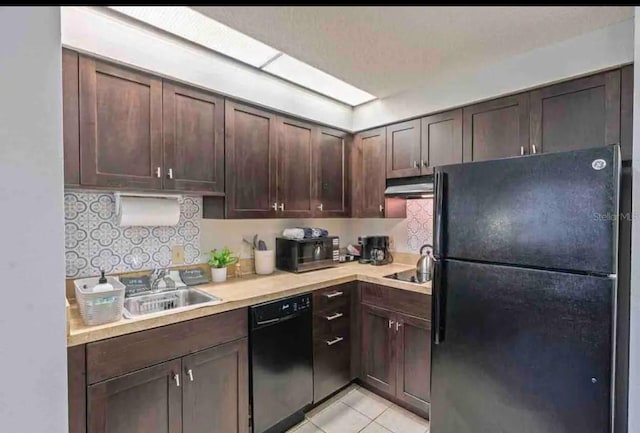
(243, 292)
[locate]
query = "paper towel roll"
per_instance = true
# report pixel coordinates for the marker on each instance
(148, 211)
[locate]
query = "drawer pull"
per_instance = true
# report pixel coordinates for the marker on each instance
(334, 316)
(334, 341)
(334, 294)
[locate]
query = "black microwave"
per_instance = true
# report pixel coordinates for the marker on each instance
(300, 255)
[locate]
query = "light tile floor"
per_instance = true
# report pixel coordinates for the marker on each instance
(356, 409)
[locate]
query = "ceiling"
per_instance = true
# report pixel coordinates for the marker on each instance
(385, 50)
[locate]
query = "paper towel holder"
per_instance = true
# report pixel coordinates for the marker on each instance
(119, 194)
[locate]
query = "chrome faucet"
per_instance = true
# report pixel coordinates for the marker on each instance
(156, 276)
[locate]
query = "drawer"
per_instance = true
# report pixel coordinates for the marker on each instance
(331, 367)
(326, 329)
(403, 301)
(124, 354)
(331, 298)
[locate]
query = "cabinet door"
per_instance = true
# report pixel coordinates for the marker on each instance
(332, 173)
(496, 129)
(441, 140)
(413, 348)
(377, 359)
(148, 400)
(250, 156)
(193, 129)
(578, 114)
(369, 173)
(403, 149)
(70, 117)
(295, 181)
(216, 390)
(120, 127)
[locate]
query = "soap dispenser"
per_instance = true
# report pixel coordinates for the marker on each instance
(102, 285)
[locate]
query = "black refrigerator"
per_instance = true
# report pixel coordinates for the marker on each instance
(524, 294)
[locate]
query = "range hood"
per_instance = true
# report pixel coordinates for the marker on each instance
(410, 187)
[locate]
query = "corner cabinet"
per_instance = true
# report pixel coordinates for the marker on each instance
(369, 167)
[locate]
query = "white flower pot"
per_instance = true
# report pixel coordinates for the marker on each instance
(218, 275)
(265, 261)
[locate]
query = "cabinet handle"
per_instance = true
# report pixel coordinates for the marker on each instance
(334, 294)
(381, 208)
(533, 149)
(158, 172)
(320, 207)
(334, 316)
(275, 206)
(190, 373)
(334, 341)
(423, 163)
(170, 173)
(391, 322)
(281, 207)
(521, 150)
(176, 377)
(398, 325)
(416, 164)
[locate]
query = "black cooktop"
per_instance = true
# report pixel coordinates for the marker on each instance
(410, 276)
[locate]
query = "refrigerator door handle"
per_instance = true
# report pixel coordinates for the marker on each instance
(438, 304)
(437, 220)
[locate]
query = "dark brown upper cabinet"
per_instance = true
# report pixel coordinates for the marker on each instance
(193, 128)
(441, 140)
(295, 182)
(403, 149)
(369, 180)
(331, 158)
(250, 155)
(578, 114)
(70, 117)
(496, 129)
(120, 126)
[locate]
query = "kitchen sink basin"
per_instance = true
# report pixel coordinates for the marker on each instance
(173, 300)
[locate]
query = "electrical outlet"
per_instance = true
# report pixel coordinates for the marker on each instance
(177, 254)
(392, 243)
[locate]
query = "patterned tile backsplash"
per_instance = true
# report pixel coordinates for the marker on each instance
(94, 241)
(419, 224)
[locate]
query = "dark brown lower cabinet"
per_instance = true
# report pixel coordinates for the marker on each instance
(148, 400)
(206, 392)
(378, 349)
(332, 339)
(396, 356)
(215, 395)
(413, 348)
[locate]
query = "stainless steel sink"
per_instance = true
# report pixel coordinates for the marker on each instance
(174, 300)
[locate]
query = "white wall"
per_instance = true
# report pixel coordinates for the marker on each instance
(102, 33)
(597, 50)
(634, 343)
(33, 390)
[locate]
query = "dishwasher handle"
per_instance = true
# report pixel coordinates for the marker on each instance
(269, 322)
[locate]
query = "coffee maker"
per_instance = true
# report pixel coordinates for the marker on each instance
(375, 250)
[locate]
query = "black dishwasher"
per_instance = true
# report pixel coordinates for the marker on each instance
(281, 363)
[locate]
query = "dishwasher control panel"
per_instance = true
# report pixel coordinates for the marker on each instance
(272, 312)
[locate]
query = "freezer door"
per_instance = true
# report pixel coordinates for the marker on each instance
(521, 350)
(553, 211)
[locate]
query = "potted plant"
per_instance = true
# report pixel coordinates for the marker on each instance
(219, 260)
